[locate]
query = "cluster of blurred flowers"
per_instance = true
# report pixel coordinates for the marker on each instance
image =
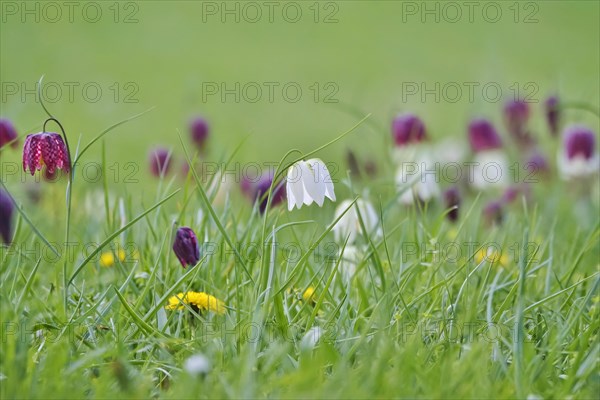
(309, 181)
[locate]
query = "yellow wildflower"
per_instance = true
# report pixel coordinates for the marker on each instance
(108, 259)
(492, 256)
(200, 300)
(308, 295)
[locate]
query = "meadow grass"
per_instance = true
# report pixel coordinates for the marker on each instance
(413, 320)
(418, 311)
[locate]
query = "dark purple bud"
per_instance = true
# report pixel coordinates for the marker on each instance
(408, 129)
(483, 136)
(160, 161)
(552, 114)
(199, 131)
(45, 148)
(371, 168)
(258, 190)
(452, 201)
(352, 163)
(515, 192)
(6, 213)
(579, 141)
(493, 213)
(8, 134)
(186, 247)
(537, 165)
(516, 115)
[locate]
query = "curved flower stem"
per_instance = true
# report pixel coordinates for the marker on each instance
(580, 106)
(68, 194)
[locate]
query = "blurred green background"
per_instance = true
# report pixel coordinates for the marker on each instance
(369, 50)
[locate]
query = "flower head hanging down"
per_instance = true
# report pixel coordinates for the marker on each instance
(552, 106)
(578, 157)
(349, 225)
(199, 131)
(490, 165)
(197, 300)
(45, 148)
(8, 134)
(516, 116)
(6, 212)
(186, 247)
(258, 189)
(452, 200)
(308, 181)
(420, 175)
(160, 161)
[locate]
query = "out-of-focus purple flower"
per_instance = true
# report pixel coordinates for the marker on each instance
(160, 161)
(515, 192)
(408, 129)
(516, 116)
(578, 156)
(552, 106)
(258, 190)
(579, 142)
(8, 133)
(493, 212)
(6, 213)
(199, 131)
(537, 165)
(186, 247)
(45, 148)
(452, 201)
(483, 136)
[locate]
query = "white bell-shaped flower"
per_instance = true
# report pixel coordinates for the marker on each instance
(308, 181)
(421, 176)
(490, 170)
(349, 224)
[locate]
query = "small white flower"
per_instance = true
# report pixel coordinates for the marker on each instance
(308, 181)
(350, 259)
(311, 338)
(197, 364)
(490, 170)
(349, 224)
(421, 176)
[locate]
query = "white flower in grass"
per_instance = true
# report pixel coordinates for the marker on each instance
(308, 181)
(578, 157)
(420, 177)
(311, 338)
(349, 224)
(197, 364)
(490, 170)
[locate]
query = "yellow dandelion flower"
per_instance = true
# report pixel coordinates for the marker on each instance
(200, 300)
(492, 256)
(107, 259)
(121, 254)
(309, 294)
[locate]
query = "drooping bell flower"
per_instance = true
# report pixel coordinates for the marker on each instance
(483, 136)
(515, 192)
(307, 182)
(516, 116)
(160, 161)
(186, 247)
(578, 156)
(199, 131)
(452, 202)
(408, 129)
(349, 224)
(552, 109)
(45, 148)
(6, 213)
(537, 167)
(490, 165)
(417, 180)
(258, 190)
(493, 213)
(8, 134)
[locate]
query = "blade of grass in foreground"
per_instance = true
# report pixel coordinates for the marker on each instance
(117, 233)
